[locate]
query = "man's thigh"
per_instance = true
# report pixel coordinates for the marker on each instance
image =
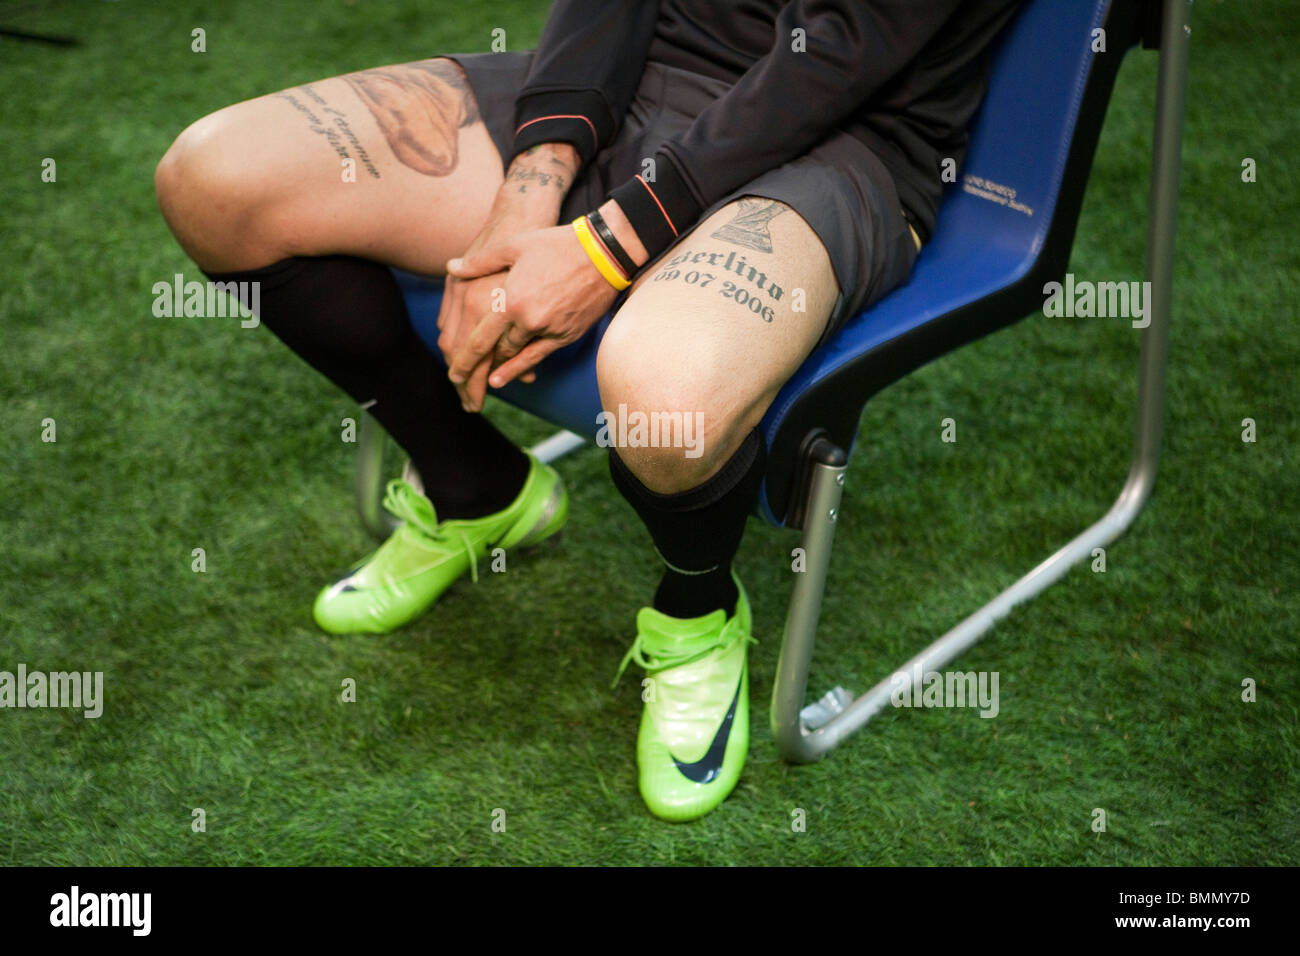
(718, 326)
(392, 163)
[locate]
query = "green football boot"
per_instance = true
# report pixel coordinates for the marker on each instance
(422, 558)
(694, 732)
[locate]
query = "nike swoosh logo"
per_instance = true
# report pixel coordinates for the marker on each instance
(709, 766)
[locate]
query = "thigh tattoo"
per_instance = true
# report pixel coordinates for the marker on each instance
(730, 274)
(324, 120)
(750, 227)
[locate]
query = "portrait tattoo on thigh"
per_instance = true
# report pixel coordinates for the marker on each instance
(421, 108)
(749, 228)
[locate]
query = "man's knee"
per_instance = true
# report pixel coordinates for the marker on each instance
(669, 419)
(207, 192)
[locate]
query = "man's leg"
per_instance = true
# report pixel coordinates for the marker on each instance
(258, 191)
(267, 179)
(310, 192)
(707, 337)
(713, 332)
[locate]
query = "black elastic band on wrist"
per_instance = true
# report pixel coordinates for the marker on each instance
(607, 237)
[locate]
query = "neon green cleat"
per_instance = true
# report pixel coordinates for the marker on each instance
(694, 732)
(422, 558)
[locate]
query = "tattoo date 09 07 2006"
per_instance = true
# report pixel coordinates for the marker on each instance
(677, 269)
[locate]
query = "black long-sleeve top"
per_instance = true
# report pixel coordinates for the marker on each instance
(903, 76)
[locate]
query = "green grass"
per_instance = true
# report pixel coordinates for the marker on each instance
(1119, 690)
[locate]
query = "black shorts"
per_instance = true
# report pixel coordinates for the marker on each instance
(839, 187)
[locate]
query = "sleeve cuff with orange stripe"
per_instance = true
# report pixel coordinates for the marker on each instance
(660, 210)
(578, 117)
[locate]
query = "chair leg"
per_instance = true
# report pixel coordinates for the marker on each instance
(790, 724)
(369, 482)
(806, 734)
(557, 446)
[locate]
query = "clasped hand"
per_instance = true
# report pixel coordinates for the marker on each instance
(542, 293)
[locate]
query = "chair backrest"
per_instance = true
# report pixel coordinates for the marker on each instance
(1004, 229)
(1002, 207)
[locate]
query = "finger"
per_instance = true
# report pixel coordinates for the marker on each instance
(484, 262)
(527, 378)
(475, 347)
(450, 317)
(471, 399)
(529, 356)
(476, 386)
(444, 307)
(512, 340)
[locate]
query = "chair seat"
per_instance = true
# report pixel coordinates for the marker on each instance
(1002, 232)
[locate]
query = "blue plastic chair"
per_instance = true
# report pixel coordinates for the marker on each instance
(1003, 231)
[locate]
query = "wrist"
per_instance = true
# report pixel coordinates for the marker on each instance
(598, 254)
(547, 169)
(618, 224)
(658, 211)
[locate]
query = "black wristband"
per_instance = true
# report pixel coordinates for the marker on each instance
(607, 237)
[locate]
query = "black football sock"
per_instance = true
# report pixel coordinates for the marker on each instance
(697, 532)
(346, 318)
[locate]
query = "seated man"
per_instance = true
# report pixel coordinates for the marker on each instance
(736, 181)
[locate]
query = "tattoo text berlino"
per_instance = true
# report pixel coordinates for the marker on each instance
(727, 288)
(750, 229)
